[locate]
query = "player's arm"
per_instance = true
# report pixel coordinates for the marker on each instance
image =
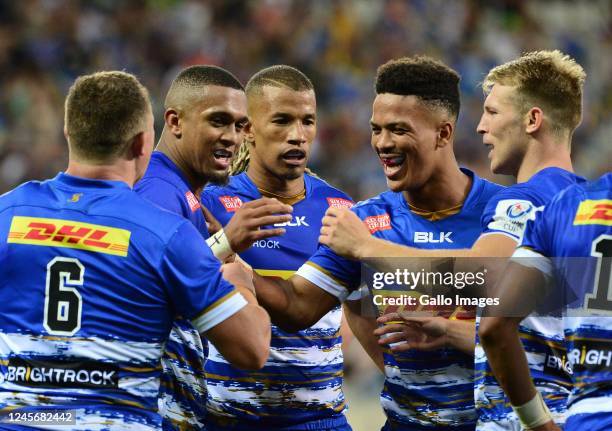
(363, 327)
(244, 338)
(293, 304)
(244, 228)
(499, 336)
(425, 333)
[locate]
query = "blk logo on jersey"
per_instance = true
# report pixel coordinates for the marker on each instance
(50, 232)
(434, 238)
(192, 201)
(339, 203)
(294, 222)
(594, 212)
(231, 203)
(377, 223)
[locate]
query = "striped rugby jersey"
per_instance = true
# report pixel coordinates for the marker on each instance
(422, 389)
(542, 337)
(91, 278)
(182, 397)
(571, 242)
(302, 379)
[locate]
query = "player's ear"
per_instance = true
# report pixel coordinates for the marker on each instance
(445, 134)
(137, 147)
(249, 134)
(172, 122)
(533, 120)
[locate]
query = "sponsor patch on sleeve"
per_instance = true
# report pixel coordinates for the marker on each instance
(594, 212)
(511, 216)
(192, 201)
(231, 203)
(339, 203)
(378, 222)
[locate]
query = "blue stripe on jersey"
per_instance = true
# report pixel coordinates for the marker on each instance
(302, 380)
(569, 230)
(183, 391)
(509, 212)
(430, 389)
(106, 355)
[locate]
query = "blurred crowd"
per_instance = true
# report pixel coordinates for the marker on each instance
(45, 44)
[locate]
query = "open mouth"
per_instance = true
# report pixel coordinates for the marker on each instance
(392, 163)
(490, 148)
(294, 157)
(223, 158)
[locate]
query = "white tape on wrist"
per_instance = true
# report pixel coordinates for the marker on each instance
(220, 246)
(533, 413)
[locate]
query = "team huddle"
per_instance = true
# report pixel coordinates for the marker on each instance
(202, 283)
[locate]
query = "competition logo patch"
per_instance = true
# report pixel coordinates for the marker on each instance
(594, 212)
(339, 203)
(192, 201)
(377, 223)
(231, 203)
(519, 209)
(49, 232)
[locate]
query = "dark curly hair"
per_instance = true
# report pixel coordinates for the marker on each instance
(424, 77)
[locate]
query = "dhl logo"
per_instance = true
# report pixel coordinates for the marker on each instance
(49, 232)
(594, 212)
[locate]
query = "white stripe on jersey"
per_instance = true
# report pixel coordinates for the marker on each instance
(323, 281)
(446, 376)
(591, 405)
(223, 309)
(98, 349)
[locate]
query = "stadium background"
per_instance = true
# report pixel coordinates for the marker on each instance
(45, 44)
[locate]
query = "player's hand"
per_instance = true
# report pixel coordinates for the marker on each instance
(239, 273)
(212, 223)
(416, 332)
(243, 229)
(343, 232)
(548, 426)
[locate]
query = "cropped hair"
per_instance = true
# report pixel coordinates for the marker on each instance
(433, 82)
(104, 111)
(194, 78)
(279, 75)
(551, 80)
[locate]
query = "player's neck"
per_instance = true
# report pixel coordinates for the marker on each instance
(118, 171)
(443, 190)
(172, 152)
(542, 156)
(273, 185)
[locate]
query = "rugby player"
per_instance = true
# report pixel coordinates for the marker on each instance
(204, 118)
(575, 225)
(533, 106)
(92, 276)
(300, 388)
(413, 122)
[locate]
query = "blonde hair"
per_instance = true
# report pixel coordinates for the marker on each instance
(548, 79)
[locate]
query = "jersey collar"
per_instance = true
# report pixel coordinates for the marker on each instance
(88, 183)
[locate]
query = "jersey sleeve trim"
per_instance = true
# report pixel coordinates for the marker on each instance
(317, 275)
(530, 258)
(220, 310)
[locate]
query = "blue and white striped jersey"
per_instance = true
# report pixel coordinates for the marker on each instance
(542, 337)
(300, 387)
(91, 279)
(182, 397)
(573, 237)
(422, 389)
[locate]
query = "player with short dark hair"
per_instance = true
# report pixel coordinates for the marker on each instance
(204, 119)
(412, 135)
(92, 276)
(566, 253)
(300, 387)
(532, 107)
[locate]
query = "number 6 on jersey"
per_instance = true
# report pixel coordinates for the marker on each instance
(63, 304)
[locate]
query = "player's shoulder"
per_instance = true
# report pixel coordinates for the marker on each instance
(30, 189)
(482, 189)
(236, 184)
(386, 201)
(319, 188)
(600, 188)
